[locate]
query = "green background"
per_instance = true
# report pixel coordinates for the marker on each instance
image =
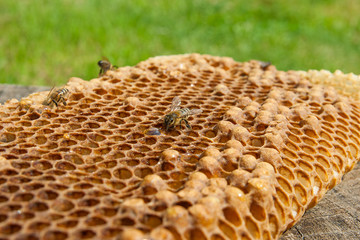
(47, 42)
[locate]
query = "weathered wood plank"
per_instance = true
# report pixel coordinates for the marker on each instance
(8, 91)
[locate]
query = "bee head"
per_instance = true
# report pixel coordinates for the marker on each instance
(169, 121)
(104, 64)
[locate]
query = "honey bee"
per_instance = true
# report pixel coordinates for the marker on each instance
(24, 104)
(105, 65)
(56, 97)
(264, 65)
(178, 115)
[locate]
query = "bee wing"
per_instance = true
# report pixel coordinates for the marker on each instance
(175, 104)
(264, 64)
(51, 90)
(48, 99)
(105, 58)
(153, 131)
(195, 111)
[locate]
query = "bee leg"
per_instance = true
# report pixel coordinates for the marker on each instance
(63, 101)
(187, 124)
(180, 122)
(54, 102)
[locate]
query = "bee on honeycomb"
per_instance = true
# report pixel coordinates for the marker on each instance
(105, 65)
(178, 115)
(55, 97)
(24, 104)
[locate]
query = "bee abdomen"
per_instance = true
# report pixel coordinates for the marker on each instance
(63, 91)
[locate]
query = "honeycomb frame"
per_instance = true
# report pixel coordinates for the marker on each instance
(267, 146)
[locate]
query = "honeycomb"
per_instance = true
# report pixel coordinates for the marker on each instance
(266, 147)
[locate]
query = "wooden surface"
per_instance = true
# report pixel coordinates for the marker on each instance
(8, 91)
(335, 217)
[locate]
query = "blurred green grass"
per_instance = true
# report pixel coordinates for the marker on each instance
(46, 42)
